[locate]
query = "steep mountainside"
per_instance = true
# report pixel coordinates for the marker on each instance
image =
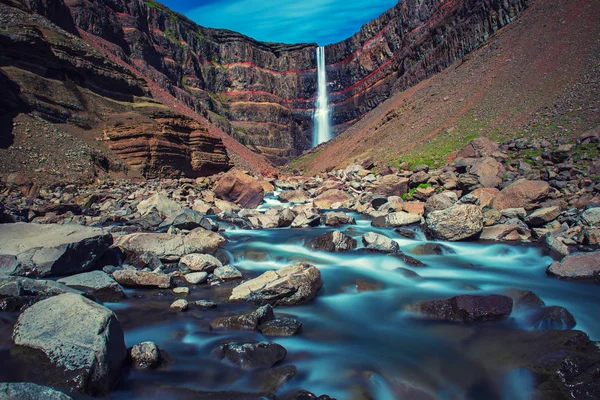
(263, 94)
(536, 77)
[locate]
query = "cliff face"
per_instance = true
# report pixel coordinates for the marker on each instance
(57, 90)
(263, 94)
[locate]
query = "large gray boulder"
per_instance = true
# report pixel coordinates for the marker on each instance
(18, 293)
(81, 341)
(29, 391)
(459, 222)
(169, 247)
(50, 250)
(97, 284)
(294, 284)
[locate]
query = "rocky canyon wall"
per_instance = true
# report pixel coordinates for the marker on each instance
(263, 94)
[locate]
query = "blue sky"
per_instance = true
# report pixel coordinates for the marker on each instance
(287, 21)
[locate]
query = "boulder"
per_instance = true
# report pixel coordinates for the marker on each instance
(147, 355)
(524, 299)
(189, 219)
(553, 317)
(542, 216)
(199, 262)
(591, 217)
(264, 221)
(293, 196)
(294, 284)
(306, 218)
(330, 197)
(161, 203)
(195, 278)
(97, 284)
(338, 218)
(438, 202)
(577, 266)
(427, 249)
(465, 308)
(135, 278)
(485, 196)
(227, 272)
(506, 232)
(245, 322)
(240, 188)
(169, 247)
(459, 222)
(284, 326)
(521, 193)
(18, 293)
(29, 391)
(204, 304)
(396, 219)
(391, 185)
(488, 170)
(51, 249)
(251, 355)
(179, 305)
(334, 241)
(81, 341)
(377, 242)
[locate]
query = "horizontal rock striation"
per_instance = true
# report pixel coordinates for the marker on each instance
(263, 94)
(165, 144)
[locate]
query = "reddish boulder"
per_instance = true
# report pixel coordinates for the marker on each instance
(521, 194)
(240, 188)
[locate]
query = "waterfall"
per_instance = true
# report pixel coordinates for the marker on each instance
(321, 128)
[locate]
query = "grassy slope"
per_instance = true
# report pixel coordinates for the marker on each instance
(538, 76)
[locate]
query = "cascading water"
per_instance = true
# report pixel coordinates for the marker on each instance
(321, 130)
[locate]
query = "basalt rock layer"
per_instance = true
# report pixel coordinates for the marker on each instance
(263, 94)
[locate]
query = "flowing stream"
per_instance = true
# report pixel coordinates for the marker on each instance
(322, 128)
(357, 340)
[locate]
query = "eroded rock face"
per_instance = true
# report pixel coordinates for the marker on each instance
(166, 144)
(267, 90)
(81, 341)
(50, 250)
(294, 284)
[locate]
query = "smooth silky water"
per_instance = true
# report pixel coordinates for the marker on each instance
(354, 344)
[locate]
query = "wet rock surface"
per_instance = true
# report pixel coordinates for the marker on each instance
(294, 284)
(251, 355)
(97, 284)
(465, 308)
(81, 341)
(51, 250)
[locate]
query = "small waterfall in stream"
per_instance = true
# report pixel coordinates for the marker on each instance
(321, 128)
